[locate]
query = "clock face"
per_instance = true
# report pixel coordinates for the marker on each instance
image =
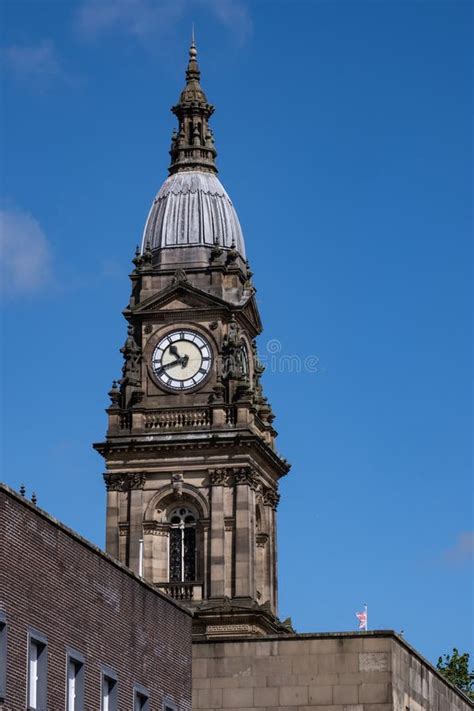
(181, 360)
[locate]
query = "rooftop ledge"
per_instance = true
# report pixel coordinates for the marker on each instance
(370, 634)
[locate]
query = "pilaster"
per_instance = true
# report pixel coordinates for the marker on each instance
(218, 479)
(136, 483)
(244, 583)
(113, 487)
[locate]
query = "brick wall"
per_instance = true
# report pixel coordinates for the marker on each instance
(326, 672)
(57, 583)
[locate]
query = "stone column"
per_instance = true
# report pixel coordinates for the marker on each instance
(114, 485)
(271, 499)
(261, 565)
(155, 552)
(136, 482)
(123, 542)
(244, 534)
(148, 557)
(205, 559)
(218, 479)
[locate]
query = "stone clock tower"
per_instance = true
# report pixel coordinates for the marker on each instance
(191, 467)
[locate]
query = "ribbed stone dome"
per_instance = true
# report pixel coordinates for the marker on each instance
(192, 208)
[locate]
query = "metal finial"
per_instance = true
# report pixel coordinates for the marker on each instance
(192, 48)
(23, 490)
(33, 498)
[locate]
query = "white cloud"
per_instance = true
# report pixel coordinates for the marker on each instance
(135, 17)
(150, 19)
(25, 254)
(234, 15)
(35, 63)
(462, 551)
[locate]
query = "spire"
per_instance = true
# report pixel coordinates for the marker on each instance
(192, 145)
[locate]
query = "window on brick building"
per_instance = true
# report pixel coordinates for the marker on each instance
(75, 681)
(169, 706)
(141, 698)
(37, 671)
(3, 656)
(109, 690)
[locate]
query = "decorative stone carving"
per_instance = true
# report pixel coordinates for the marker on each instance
(232, 254)
(152, 528)
(123, 529)
(233, 355)
(115, 395)
(249, 273)
(219, 477)
(148, 328)
(217, 395)
(264, 410)
(216, 251)
(136, 397)
(115, 482)
(136, 480)
(246, 476)
(132, 355)
(118, 481)
(226, 630)
(229, 523)
(243, 392)
(179, 277)
(137, 260)
(147, 257)
(261, 540)
(177, 481)
(271, 498)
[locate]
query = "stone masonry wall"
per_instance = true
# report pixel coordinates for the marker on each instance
(416, 687)
(68, 590)
(326, 672)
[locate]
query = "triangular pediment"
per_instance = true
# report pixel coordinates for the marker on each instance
(184, 296)
(179, 297)
(250, 313)
(175, 305)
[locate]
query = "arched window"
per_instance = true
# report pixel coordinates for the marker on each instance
(182, 545)
(258, 520)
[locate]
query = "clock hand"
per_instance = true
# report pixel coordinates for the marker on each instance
(174, 350)
(169, 365)
(180, 361)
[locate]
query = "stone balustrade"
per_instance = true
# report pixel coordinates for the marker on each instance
(182, 591)
(177, 419)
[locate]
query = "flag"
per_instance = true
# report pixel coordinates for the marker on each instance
(362, 617)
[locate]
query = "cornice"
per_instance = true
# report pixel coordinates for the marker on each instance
(193, 441)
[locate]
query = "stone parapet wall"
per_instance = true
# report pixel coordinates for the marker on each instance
(374, 671)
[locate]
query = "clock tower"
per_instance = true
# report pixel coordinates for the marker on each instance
(191, 466)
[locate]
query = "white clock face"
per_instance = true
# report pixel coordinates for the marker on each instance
(181, 360)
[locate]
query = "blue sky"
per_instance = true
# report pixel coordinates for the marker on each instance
(344, 139)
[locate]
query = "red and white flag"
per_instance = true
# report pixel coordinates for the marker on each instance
(362, 617)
